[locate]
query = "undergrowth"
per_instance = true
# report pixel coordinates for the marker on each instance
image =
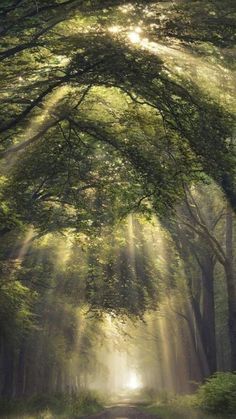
(215, 398)
(69, 406)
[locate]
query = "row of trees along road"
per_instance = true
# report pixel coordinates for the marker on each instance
(110, 108)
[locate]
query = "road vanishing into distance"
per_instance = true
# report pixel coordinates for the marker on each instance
(122, 411)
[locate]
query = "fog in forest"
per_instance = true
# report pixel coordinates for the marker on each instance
(133, 321)
(117, 209)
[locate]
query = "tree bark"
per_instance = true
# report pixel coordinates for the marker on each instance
(231, 286)
(8, 371)
(208, 308)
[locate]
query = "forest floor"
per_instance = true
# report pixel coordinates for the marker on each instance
(172, 412)
(130, 412)
(153, 412)
(127, 410)
(123, 411)
(115, 412)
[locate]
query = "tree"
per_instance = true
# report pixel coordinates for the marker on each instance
(203, 222)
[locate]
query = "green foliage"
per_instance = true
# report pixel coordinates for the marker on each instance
(95, 127)
(218, 394)
(169, 406)
(170, 412)
(16, 316)
(61, 405)
(84, 403)
(165, 126)
(74, 404)
(79, 184)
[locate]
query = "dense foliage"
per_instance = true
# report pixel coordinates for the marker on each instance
(218, 393)
(117, 190)
(215, 397)
(65, 406)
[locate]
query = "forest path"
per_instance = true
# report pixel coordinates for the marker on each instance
(122, 411)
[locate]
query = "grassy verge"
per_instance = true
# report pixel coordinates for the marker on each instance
(216, 398)
(51, 407)
(181, 407)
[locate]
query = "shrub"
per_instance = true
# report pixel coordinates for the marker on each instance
(148, 394)
(218, 394)
(41, 402)
(84, 402)
(66, 405)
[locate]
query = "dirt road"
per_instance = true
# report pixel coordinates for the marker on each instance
(122, 412)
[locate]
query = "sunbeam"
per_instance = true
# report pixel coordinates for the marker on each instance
(117, 209)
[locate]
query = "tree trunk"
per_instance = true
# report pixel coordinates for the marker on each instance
(199, 337)
(21, 371)
(208, 312)
(231, 286)
(8, 371)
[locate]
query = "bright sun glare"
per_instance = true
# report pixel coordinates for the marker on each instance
(133, 34)
(133, 382)
(134, 37)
